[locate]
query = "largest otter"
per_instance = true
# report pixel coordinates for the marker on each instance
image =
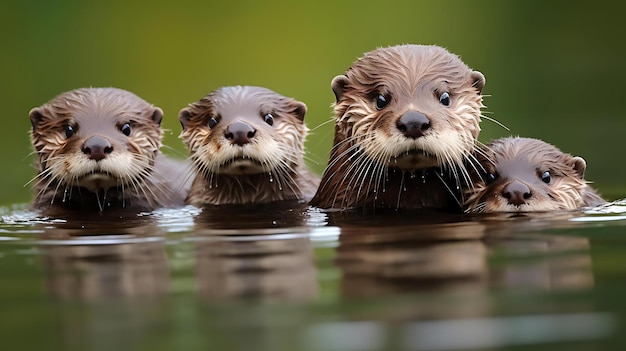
(99, 148)
(406, 121)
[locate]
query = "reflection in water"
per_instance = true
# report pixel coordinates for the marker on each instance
(539, 261)
(86, 259)
(355, 279)
(448, 253)
(257, 253)
(409, 252)
(272, 268)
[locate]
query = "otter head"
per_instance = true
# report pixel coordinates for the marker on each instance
(409, 107)
(96, 139)
(529, 175)
(244, 130)
(406, 122)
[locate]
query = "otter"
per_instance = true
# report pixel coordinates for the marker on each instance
(99, 148)
(529, 175)
(406, 122)
(247, 145)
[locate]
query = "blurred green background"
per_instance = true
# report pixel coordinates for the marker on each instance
(555, 69)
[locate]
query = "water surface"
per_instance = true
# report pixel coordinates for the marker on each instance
(288, 277)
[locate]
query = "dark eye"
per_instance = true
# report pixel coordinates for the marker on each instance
(126, 129)
(445, 99)
(545, 177)
(490, 178)
(269, 119)
(381, 101)
(69, 131)
(212, 122)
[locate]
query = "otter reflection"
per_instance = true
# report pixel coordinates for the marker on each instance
(84, 259)
(254, 252)
(532, 260)
(449, 253)
(409, 252)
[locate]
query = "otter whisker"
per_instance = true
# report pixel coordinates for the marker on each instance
(498, 123)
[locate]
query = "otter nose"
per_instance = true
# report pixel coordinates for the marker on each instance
(516, 193)
(240, 133)
(413, 124)
(97, 148)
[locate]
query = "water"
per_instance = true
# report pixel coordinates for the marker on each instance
(287, 277)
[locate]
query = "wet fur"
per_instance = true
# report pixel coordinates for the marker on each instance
(372, 164)
(134, 175)
(525, 160)
(268, 168)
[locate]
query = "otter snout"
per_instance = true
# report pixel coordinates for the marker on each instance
(240, 133)
(413, 124)
(516, 193)
(97, 148)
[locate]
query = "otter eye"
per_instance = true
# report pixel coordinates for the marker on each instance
(381, 101)
(125, 129)
(490, 177)
(269, 119)
(69, 131)
(545, 177)
(212, 122)
(445, 99)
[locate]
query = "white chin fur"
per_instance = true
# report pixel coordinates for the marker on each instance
(434, 150)
(96, 181)
(94, 175)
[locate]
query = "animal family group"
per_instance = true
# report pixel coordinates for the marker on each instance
(406, 137)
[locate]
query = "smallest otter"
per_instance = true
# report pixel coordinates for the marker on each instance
(247, 144)
(529, 175)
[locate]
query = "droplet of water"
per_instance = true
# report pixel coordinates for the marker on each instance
(271, 179)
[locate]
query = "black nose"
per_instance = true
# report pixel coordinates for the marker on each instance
(413, 124)
(516, 193)
(240, 133)
(97, 148)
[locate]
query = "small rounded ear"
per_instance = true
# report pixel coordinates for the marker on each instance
(184, 116)
(338, 85)
(36, 115)
(579, 166)
(298, 109)
(157, 115)
(478, 81)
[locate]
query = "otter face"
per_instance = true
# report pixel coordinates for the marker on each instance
(406, 122)
(409, 107)
(95, 138)
(243, 131)
(528, 175)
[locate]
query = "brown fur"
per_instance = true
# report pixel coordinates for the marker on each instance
(131, 173)
(373, 163)
(513, 179)
(268, 167)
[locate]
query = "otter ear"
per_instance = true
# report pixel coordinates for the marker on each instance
(36, 116)
(338, 85)
(579, 166)
(157, 115)
(478, 81)
(184, 116)
(298, 109)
